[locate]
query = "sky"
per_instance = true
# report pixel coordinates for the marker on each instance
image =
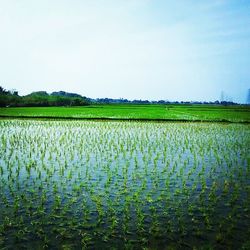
(185, 50)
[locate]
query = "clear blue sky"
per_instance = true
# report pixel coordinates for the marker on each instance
(143, 49)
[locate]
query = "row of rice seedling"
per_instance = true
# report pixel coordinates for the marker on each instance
(75, 184)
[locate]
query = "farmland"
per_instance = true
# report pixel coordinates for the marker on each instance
(236, 113)
(123, 185)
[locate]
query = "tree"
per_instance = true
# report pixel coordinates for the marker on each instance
(3, 91)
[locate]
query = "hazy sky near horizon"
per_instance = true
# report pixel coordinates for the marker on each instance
(135, 49)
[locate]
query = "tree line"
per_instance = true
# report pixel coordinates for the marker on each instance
(11, 98)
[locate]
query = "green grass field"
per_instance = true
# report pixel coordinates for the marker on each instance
(151, 112)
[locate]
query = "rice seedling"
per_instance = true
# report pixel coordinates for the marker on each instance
(123, 185)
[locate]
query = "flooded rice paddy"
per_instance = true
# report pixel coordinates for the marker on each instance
(124, 185)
